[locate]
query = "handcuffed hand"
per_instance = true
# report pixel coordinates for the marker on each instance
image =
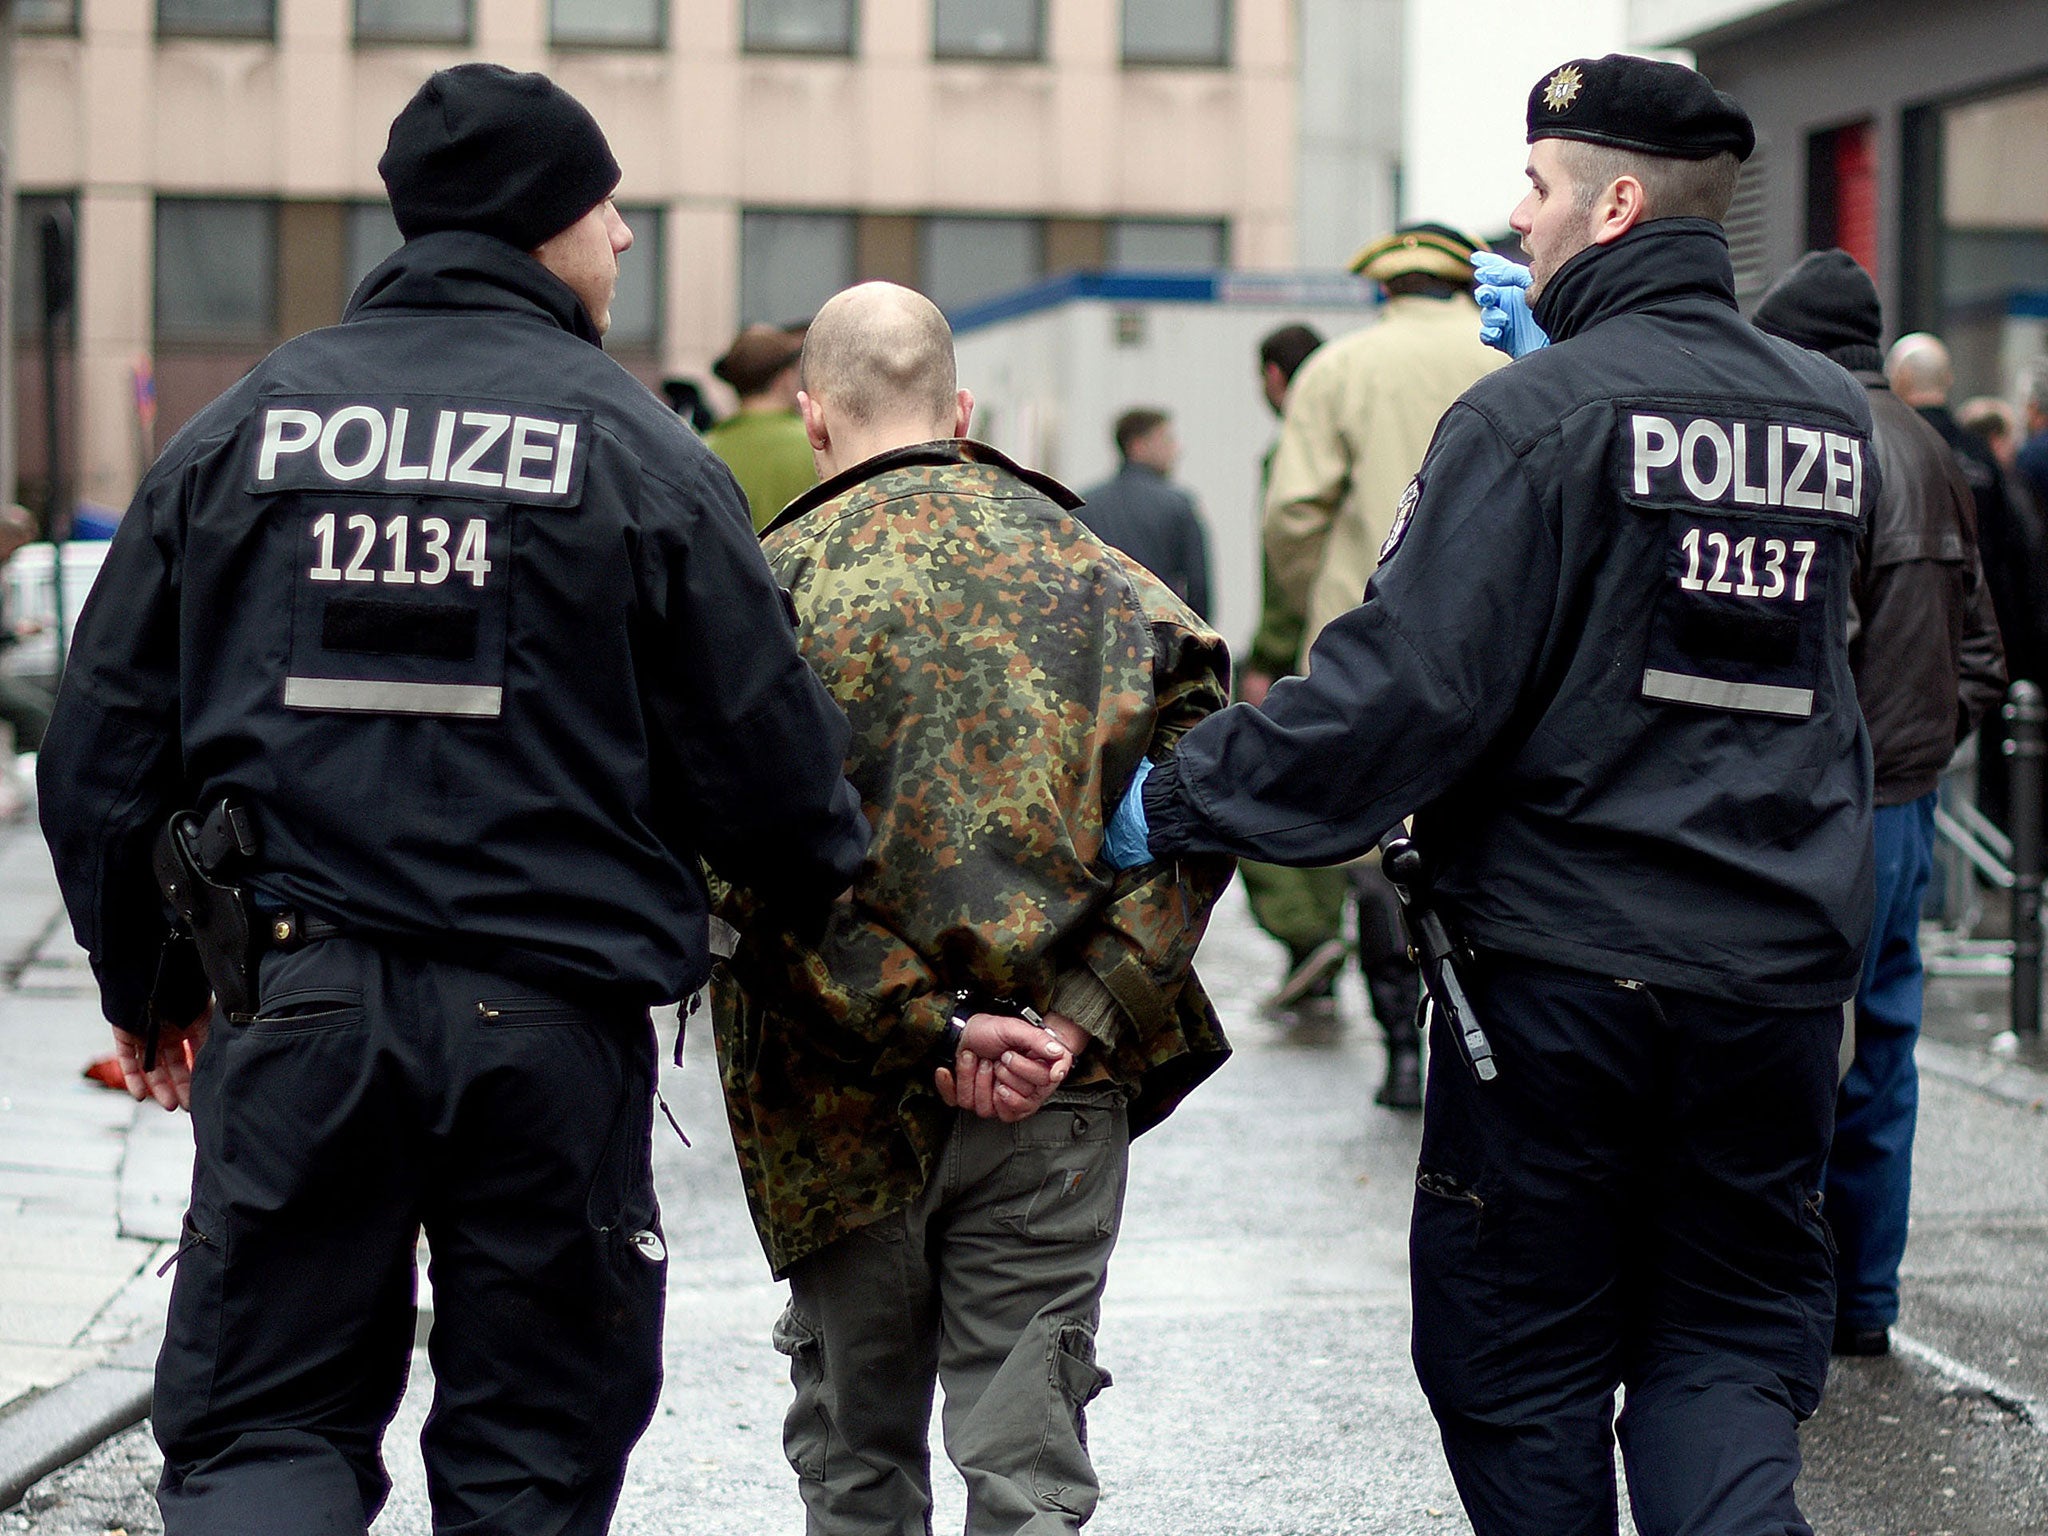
(169, 1082)
(1007, 1068)
(1505, 323)
(1126, 841)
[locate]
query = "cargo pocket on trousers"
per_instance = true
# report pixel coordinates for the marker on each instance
(1063, 1475)
(1457, 1279)
(806, 1431)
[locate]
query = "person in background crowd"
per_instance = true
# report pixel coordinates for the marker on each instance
(2031, 459)
(1359, 418)
(1924, 648)
(1995, 421)
(2011, 536)
(1302, 908)
(1645, 794)
(465, 810)
(1141, 512)
(686, 398)
(1004, 673)
(763, 442)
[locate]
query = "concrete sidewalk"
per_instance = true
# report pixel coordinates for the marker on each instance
(92, 1189)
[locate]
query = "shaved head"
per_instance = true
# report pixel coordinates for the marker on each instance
(1919, 370)
(882, 353)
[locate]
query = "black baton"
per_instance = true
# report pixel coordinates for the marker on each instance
(1401, 861)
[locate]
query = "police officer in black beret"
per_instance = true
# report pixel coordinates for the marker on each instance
(460, 649)
(1603, 662)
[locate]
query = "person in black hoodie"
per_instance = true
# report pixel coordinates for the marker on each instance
(474, 637)
(1604, 664)
(1928, 663)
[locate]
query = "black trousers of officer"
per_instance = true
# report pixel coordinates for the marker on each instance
(372, 1096)
(1634, 1201)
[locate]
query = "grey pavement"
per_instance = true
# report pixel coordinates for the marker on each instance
(1256, 1321)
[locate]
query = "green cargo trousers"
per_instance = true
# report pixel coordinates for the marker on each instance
(991, 1284)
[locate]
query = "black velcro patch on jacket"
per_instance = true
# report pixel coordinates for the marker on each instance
(1738, 635)
(378, 627)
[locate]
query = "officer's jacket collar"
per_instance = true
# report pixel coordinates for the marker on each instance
(455, 269)
(1653, 264)
(946, 450)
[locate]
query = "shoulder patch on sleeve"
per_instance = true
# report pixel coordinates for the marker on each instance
(1403, 511)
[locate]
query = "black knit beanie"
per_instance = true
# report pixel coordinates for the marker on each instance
(1827, 304)
(484, 148)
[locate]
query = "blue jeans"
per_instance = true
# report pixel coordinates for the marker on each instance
(1870, 1170)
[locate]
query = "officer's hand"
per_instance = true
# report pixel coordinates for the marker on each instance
(169, 1082)
(1505, 323)
(1126, 841)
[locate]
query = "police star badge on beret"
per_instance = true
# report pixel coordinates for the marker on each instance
(1649, 105)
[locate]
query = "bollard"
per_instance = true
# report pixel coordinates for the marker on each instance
(2025, 714)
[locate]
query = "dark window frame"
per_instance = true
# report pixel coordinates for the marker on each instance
(1038, 223)
(1222, 224)
(850, 215)
(1038, 54)
(751, 49)
(27, 281)
(188, 342)
(1128, 60)
(69, 28)
(658, 44)
(651, 344)
(266, 34)
(412, 39)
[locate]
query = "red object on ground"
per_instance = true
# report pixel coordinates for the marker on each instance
(106, 1071)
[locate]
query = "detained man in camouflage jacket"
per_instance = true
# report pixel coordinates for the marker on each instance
(939, 1178)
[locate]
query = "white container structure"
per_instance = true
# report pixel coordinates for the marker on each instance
(31, 606)
(1052, 367)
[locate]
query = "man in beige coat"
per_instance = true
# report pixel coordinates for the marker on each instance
(1360, 415)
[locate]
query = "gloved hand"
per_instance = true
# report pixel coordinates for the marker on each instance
(1505, 323)
(1126, 840)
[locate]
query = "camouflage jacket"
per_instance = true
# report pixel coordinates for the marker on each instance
(1003, 672)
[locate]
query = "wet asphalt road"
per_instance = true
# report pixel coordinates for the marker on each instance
(1256, 1325)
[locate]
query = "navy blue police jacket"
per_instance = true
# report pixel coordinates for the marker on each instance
(1604, 659)
(480, 631)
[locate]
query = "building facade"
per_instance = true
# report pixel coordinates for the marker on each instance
(1913, 135)
(218, 161)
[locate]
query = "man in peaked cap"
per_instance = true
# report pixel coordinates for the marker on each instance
(453, 651)
(1359, 416)
(1604, 665)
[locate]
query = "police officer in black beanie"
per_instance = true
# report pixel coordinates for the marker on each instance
(459, 649)
(1603, 663)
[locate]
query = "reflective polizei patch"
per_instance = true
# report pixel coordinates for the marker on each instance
(1717, 693)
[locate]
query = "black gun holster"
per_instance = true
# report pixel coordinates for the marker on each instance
(196, 861)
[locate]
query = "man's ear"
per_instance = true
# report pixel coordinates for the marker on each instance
(1619, 210)
(814, 421)
(963, 413)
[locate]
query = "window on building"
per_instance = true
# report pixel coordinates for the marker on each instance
(636, 307)
(790, 263)
(966, 260)
(412, 21)
(369, 235)
(1168, 244)
(216, 270)
(607, 23)
(216, 18)
(1176, 31)
(988, 29)
(800, 26)
(30, 210)
(1841, 192)
(46, 15)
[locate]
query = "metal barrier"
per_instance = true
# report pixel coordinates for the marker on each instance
(2025, 714)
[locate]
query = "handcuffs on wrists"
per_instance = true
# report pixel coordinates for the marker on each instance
(966, 1004)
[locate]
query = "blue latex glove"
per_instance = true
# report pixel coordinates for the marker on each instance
(1126, 841)
(1505, 323)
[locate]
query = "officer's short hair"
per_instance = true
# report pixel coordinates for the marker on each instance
(1134, 424)
(1672, 188)
(1288, 348)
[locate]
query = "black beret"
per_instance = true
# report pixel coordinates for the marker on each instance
(484, 148)
(1644, 104)
(1826, 304)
